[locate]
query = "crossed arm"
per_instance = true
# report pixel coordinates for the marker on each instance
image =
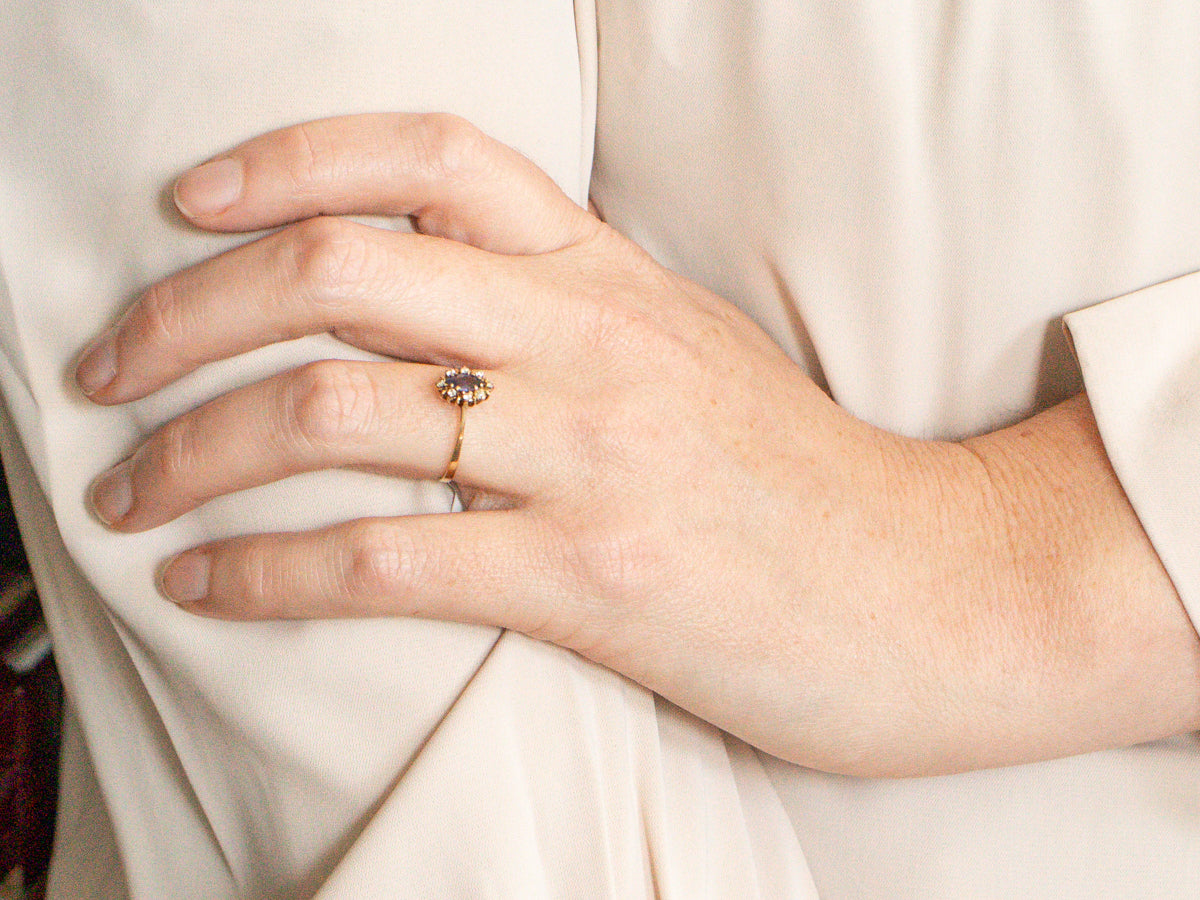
(652, 484)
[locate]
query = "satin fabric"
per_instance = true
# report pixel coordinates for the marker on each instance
(909, 198)
(912, 198)
(348, 759)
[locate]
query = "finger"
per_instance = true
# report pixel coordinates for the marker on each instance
(384, 417)
(451, 178)
(490, 568)
(402, 295)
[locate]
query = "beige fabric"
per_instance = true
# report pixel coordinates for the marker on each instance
(1140, 356)
(907, 196)
(406, 758)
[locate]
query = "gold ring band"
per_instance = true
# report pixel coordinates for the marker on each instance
(463, 387)
(452, 466)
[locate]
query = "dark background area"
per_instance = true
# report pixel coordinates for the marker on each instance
(30, 713)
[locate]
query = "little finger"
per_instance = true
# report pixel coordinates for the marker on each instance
(489, 568)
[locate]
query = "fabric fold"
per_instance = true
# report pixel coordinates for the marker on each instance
(1140, 356)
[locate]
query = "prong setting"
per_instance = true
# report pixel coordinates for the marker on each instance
(464, 386)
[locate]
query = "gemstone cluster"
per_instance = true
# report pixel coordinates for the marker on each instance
(464, 386)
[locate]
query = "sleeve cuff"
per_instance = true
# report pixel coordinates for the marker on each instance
(1140, 357)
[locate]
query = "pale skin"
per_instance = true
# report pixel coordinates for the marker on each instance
(837, 595)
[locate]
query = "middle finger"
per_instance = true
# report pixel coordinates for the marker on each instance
(406, 295)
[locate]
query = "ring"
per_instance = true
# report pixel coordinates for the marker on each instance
(463, 387)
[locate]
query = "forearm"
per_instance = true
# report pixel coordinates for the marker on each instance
(1051, 625)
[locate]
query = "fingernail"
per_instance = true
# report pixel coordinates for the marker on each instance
(210, 188)
(112, 493)
(185, 579)
(98, 367)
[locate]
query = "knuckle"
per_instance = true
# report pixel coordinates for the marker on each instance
(448, 146)
(612, 314)
(175, 454)
(612, 435)
(616, 563)
(163, 319)
(568, 620)
(609, 328)
(330, 402)
(332, 259)
(382, 561)
(255, 577)
(309, 157)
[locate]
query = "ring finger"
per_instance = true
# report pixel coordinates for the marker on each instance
(330, 414)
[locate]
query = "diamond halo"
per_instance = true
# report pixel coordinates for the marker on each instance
(464, 386)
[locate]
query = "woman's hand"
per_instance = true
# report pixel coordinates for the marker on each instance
(652, 483)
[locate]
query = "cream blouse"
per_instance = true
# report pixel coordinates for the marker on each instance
(908, 197)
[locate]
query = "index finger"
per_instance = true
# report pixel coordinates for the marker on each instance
(454, 180)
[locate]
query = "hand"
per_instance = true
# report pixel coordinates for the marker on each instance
(652, 483)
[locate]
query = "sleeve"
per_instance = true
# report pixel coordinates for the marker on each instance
(1140, 356)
